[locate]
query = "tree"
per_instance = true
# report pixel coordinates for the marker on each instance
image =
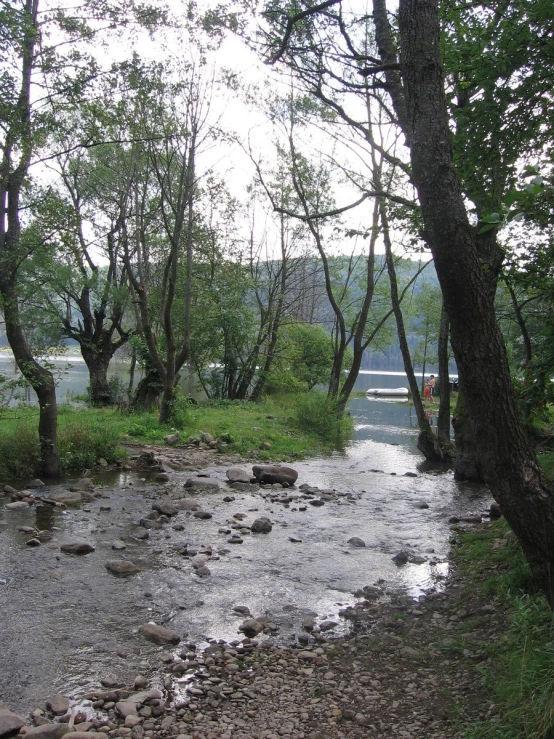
(47, 50)
(509, 464)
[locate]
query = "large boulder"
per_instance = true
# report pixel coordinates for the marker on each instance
(270, 474)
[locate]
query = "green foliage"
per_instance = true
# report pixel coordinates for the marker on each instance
(304, 359)
(318, 413)
(519, 672)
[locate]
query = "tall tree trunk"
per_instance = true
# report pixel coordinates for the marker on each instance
(98, 364)
(509, 464)
(147, 393)
(443, 422)
(427, 442)
(42, 382)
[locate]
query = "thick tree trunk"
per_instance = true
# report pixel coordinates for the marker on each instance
(443, 423)
(468, 466)
(98, 364)
(42, 382)
(509, 464)
(147, 393)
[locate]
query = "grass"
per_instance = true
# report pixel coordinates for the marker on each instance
(278, 428)
(518, 672)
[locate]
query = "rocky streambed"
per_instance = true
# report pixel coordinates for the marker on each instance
(177, 542)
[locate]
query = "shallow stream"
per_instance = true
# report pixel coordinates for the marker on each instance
(67, 622)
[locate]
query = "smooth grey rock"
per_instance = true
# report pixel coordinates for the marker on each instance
(159, 634)
(67, 497)
(201, 484)
(172, 438)
(162, 477)
(9, 490)
(422, 505)
(33, 543)
(17, 505)
(269, 474)
(126, 708)
(58, 704)
(166, 508)
(122, 567)
(10, 722)
(355, 541)
(85, 483)
(261, 526)
(35, 484)
(202, 571)
(139, 532)
(251, 627)
(47, 731)
(187, 504)
(236, 474)
(77, 547)
(202, 515)
(89, 735)
(118, 545)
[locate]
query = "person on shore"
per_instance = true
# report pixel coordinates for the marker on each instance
(431, 384)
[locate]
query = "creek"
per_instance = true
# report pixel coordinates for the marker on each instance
(67, 622)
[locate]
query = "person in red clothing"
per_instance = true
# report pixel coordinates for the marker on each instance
(431, 384)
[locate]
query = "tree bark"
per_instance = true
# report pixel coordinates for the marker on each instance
(42, 382)
(443, 423)
(509, 464)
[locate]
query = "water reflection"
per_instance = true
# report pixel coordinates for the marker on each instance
(45, 517)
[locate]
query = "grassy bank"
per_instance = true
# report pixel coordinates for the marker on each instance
(516, 661)
(278, 428)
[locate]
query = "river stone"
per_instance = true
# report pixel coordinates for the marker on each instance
(201, 484)
(47, 731)
(251, 627)
(139, 532)
(67, 497)
(35, 484)
(159, 634)
(58, 704)
(122, 567)
(89, 735)
(33, 543)
(206, 437)
(146, 695)
(261, 526)
(162, 477)
(400, 558)
(77, 547)
(85, 483)
(126, 708)
(422, 505)
(17, 505)
(202, 571)
(187, 504)
(270, 474)
(172, 438)
(235, 474)
(166, 508)
(118, 545)
(10, 722)
(355, 541)
(9, 490)
(202, 515)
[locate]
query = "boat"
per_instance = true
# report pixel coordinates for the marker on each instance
(393, 392)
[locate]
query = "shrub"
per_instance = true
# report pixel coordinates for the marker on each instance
(318, 413)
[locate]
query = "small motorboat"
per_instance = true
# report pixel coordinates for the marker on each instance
(391, 392)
